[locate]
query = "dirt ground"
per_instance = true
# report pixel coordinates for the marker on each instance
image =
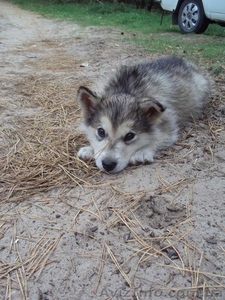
(68, 231)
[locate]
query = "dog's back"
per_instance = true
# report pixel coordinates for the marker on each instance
(172, 81)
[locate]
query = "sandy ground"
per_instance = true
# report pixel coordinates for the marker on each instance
(151, 232)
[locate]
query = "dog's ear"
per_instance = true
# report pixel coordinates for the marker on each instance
(87, 99)
(153, 109)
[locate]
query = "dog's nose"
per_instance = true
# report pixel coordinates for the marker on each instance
(109, 165)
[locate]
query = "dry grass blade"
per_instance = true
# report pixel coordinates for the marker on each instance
(194, 287)
(39, 259)
(169, 187)
(220, 226)
(122, 218)
(118, 265)
(43, 261)
(21, 276)
(98, 212)
(102, 260)
(190, 151)
(21, 284)
(194, 271)
(133, 202)
(8, 292)
(197, 275)
(73, 177)
(175, 240)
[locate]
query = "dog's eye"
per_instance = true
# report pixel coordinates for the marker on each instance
(101, 132)
(129, 137)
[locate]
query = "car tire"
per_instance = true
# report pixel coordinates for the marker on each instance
(191, 17)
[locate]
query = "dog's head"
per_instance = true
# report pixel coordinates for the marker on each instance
(117, 126)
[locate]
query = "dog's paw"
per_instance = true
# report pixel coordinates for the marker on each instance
(86, 153)
(142, 156)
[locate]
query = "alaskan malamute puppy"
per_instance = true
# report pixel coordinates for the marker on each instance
(139, 111)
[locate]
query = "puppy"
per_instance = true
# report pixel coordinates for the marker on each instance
(140, 110)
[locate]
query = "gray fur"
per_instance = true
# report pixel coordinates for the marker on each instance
(153, 98)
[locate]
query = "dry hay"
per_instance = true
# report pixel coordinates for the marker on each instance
(173, 249)
(39, 152)
(24, 267)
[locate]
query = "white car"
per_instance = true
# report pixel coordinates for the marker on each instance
(195, 15)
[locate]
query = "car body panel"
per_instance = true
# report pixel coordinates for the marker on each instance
(214, 9)
(169, 5)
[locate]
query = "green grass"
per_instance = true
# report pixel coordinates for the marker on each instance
(144, 27)
(126, 17)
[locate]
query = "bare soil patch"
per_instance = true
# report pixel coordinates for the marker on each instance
(68, 231)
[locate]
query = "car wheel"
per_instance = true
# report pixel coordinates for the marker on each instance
(191, 17)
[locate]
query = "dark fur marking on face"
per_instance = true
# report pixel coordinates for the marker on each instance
(122, 108)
